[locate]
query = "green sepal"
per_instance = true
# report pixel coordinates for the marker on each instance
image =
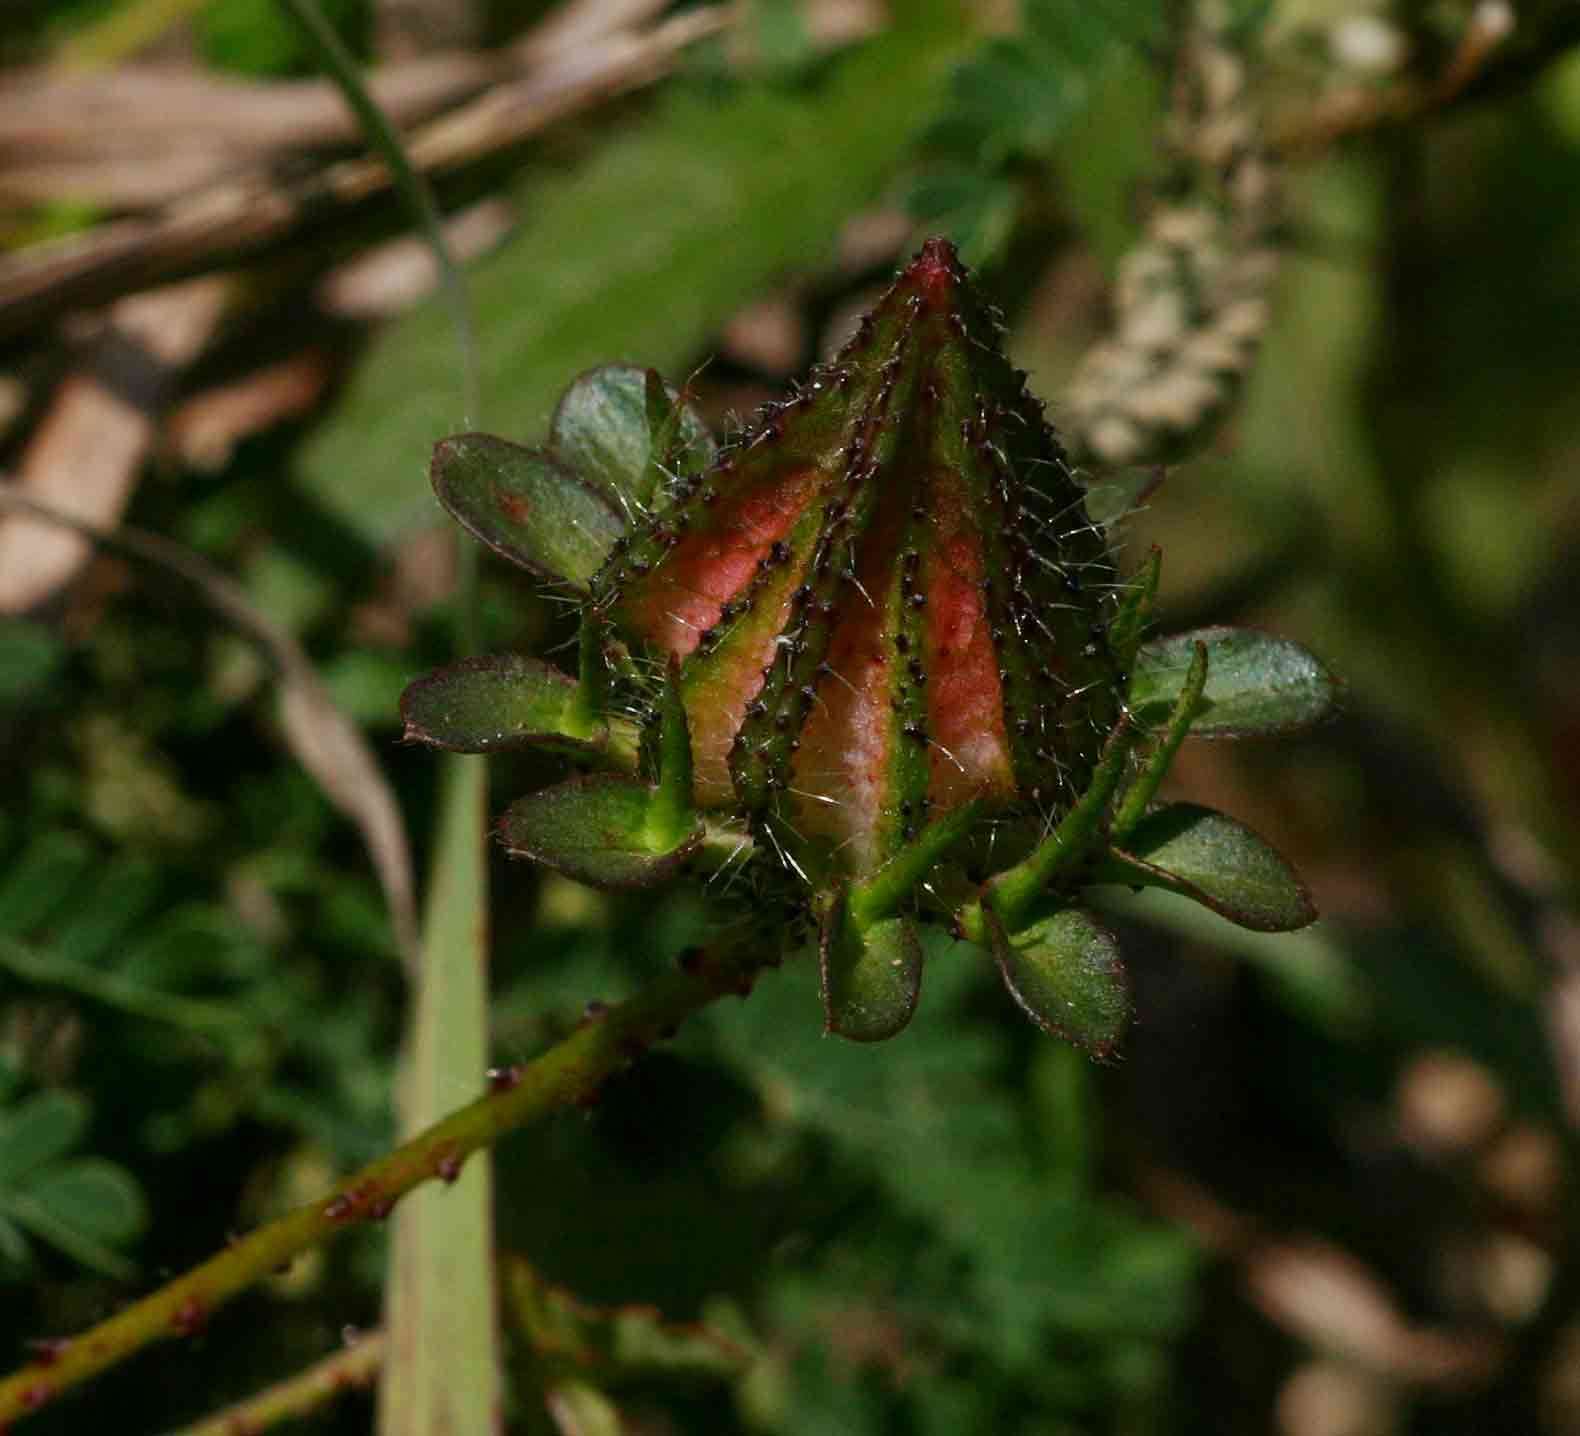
(673, 814)
(598, 830)
(871, 978)
(526, 506)
(1215, 861)
(1257, 684)
(604, 433)
(484, 705)
(1066, 974)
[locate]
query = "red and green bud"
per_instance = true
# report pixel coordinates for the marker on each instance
(887, 598)
(876, 647)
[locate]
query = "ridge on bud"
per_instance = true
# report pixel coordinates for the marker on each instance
(886, 598)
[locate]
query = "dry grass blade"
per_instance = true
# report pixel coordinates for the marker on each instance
(327, 743)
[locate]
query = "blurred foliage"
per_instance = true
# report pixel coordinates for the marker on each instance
(258, 37)
(1013, 102)
(969, 1228)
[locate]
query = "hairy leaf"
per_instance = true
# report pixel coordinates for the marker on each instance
(1066, 974)
(1218, 862)
(526, 506)
(1256, 684)
(602, 433)
(480, 705)
(871, 980)
(597, 830)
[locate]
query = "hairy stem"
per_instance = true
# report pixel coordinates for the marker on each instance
(353, 1366)
(568, 1072)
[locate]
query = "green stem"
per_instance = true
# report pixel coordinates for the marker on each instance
(1012, 893)
(672, 817)
(881, 895)
(299, 1395)
(1133, 806)
(412, 187)
(224, 1025)
(571, 1071)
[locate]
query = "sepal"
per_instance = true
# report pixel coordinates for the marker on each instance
(602, 830)
(871, 978)
(504, 701)
(1215, 861)
(621, 429)
(526, 506)
(1256, 684)
(1066, 974)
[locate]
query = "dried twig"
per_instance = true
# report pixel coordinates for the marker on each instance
(254, 212)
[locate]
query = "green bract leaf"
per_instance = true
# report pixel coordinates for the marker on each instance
(93, 1197)
(602, 434)
(1217, 862)
(38, 1131)
(597, 830)
(870, 979)
(480, 705)
(525, 506)
(1255, 683)
(1066, 974)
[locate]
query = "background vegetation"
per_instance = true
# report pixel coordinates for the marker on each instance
(1328, 1190)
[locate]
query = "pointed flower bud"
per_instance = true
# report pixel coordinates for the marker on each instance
(887, 663)
(887, 598)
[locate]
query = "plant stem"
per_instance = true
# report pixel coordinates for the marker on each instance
(298, 1395)
(571, 1071)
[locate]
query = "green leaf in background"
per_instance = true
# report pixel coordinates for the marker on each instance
(526, 506)
(597, 830)
(1066, 974)
(1016, 100)
(1256, 684)
(82, 1206)
(871, 980)
(639, 254)
(257, 37)
(481, 705)
(1217, 862)
(602, 434)
(94, 1197)
(38, 1131)
(30, 655)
